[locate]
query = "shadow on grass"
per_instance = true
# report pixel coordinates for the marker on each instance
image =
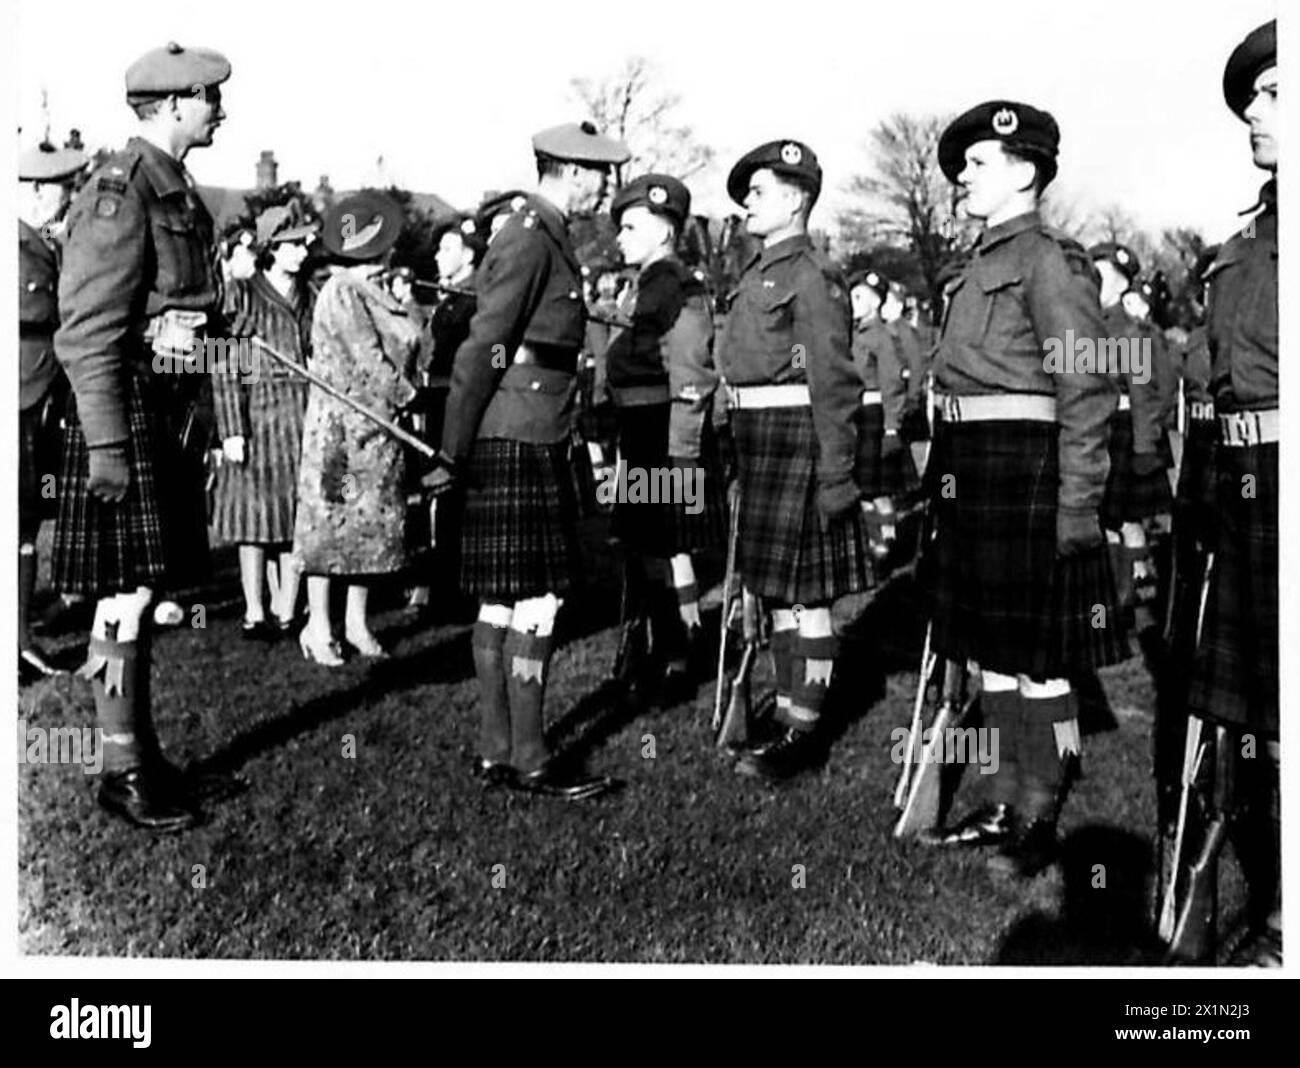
(1103, 918)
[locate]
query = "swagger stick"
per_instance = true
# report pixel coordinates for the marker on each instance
(387, 425)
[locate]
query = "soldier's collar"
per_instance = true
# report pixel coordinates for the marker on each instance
(548, 214)
(166, 174)
(785, 248)
(995, 235)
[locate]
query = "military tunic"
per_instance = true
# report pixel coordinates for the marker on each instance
(913, 353)
(788, 323)
(1235, 674)
(999, 594)
(41, 385)
(1137, 426)
(509, 414)
(878, 358)
(662, 379)
(138, 246)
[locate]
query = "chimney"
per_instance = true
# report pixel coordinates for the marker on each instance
(323, 198)
(266, 170)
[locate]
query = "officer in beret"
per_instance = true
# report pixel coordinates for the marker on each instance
(786, 356)
(139, 290)
(1137, 490)
(663, 384)
(1235, 674)
(46, 174)
(1016, 573)
(879, 465)
(506, 441)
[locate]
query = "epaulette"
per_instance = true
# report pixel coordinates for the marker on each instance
(115, 175)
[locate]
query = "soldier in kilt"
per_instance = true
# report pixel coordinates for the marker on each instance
(140, 289)
(1137, 490)
(1235, 669)
(259, 410)
(663, 384)
(785, 355)
(47, 174)
(879, 469)
(1016, 571)
(506, 440)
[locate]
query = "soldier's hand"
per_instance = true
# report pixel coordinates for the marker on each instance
(110, 475)
(438, 481)
(232, 449)
(1146, 464)
(1077, 530)
(838, 499)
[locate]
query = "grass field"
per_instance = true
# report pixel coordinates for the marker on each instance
(393, 852)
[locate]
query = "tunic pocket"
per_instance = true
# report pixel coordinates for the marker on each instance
(998, 283)
(179, 245)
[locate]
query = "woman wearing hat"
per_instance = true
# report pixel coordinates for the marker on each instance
(1016, 573)
(351, 484)
(663, 383)
(259, 408)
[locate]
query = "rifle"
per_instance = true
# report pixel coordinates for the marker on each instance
(386, 425)
(730, 604)
(924, 796)
(914, 731)
(461, 292)
(733, 732)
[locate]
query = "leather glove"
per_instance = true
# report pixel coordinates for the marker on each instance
(1146, 464)
(1077, 530)
(891, 445)
(110, 474)
(838, 499)
(232, 449)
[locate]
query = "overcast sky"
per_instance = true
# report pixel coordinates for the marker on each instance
(449, 94)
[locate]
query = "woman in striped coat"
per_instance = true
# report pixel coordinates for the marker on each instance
(260, 419)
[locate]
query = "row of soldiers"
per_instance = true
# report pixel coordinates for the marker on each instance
(1015, 566)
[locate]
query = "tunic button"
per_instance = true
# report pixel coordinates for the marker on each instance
(535, 385)
(32, 287)
(573, 294)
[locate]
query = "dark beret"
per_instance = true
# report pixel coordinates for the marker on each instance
(1202, 264)
(580, 142)
(1120, 255)
(871, 279)
(1256, 53)
(661, 193)
(173, 69)
(472, 232)
(790, 159)
(506, 203)
(1025, 130)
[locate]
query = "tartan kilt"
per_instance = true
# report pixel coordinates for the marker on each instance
(1131, 497)
(876, 475)
(786, 551)
(519, 525)
(666, 528)
(996, 591)
(255, 501)
(1235, 668)
(157, 535)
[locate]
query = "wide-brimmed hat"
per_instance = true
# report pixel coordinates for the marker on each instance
(362, 227)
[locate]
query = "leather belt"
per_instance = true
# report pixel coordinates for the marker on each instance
(751, 397)
(872, 396)
(552, 357)
(994, 407)
(1240, 430)
(637, 396)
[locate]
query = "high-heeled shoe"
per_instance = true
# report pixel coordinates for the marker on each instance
(327, 655)
(367, 647)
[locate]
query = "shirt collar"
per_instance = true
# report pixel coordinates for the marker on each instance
(995, 235)
(165, 173)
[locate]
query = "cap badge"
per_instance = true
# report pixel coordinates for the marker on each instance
(1005, 122)
(517, 202)
(873, 279)
(658, 195)
(1121, 256)
(467, 227)
(791, 154)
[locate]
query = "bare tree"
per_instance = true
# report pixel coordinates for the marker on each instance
(905, 200)
(634, 106)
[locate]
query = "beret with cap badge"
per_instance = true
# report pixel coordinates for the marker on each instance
(789, 159)
(1256, 53)
(580, 142)
(1026, 130)
(174, 69)
(661, 193)
(1120, 255)
(45, 163)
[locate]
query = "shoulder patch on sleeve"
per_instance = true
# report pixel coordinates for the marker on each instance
(106, 206)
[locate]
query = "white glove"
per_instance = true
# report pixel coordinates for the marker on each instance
(233, 449)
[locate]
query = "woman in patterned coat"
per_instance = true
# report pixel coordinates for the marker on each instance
(259, 408)
(351, 488)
